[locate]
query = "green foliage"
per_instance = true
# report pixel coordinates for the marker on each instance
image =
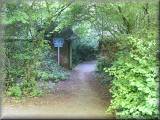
(86, 46)
(14, 91)
(134, 87)
(102, 62)
(29, 88)
(84, 53)
(26, 48)
(50, 70)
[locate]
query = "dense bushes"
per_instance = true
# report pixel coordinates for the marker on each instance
(27, 68)
(108, 49)
(29, 55)
(50, 70)
(135, 87)
(21, 67)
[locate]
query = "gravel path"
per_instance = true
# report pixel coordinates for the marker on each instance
(81, 96)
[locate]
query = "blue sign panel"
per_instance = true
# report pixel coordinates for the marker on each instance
(58, 42)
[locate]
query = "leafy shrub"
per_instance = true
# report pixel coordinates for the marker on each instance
(54, 76)
(26, 47)
(134, 88)
(108, 48)
(14, 91)
(50, 70)
(29, 88)
(102, 62)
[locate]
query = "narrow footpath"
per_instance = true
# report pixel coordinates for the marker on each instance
(82, 96)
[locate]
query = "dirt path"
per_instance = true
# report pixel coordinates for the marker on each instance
(81, 96)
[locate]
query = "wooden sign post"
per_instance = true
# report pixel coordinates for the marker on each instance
(58, 42)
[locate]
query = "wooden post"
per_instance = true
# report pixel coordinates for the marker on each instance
(70, 55)
(58, 56)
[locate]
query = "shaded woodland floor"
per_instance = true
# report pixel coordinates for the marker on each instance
(82, 96)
